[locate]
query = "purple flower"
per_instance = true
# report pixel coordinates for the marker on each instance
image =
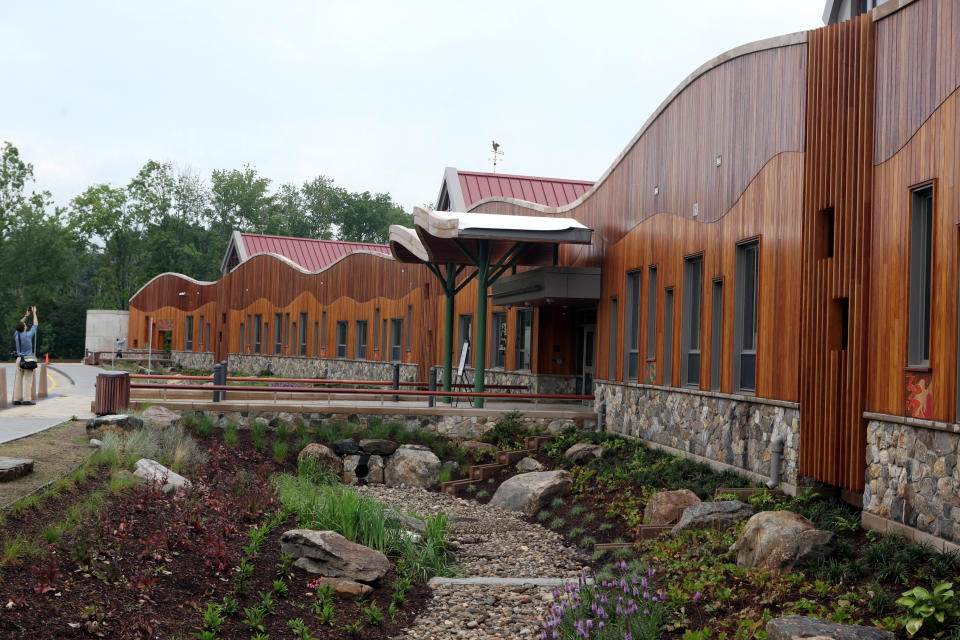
(696, 596)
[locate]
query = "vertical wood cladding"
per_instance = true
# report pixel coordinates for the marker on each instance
(837, 207)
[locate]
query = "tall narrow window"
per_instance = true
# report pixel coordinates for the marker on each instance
(409, 325)
(200, 332)
(278, 337)
(286, 332)
(266, 337)
(384, 352)
(376, 325)
(631, 354)
(921, 262)
(207, 341)
(316, 339)
(361, 350)
(248, 340)
(396, 339)
(465, 335)
(667, 337)
(692, 298)
(524, 338)
(342, 329)
(745, 318)
(293, 351)
(242, 338)
(652, 314)
(716, 335)
(257, 336)
(498, 339)
(323, 330)
(189, 337)
(612, 365)
(303, 334)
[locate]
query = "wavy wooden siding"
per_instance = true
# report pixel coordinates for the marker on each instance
(837, 176)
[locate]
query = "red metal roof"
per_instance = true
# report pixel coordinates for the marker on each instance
(546, 191)
(310, 254)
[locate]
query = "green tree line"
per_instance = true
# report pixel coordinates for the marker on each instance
(109, 241)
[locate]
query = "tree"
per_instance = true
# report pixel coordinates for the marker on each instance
(239, 200)
(367, 218)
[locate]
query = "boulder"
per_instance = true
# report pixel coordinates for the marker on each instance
(583, 451)
(528, 492)
(412, 466)
(155, 473)
(95, 444)
(703, 515)
(529, 464)
(475, 445)
(346, 447)
(665, 507)
(556, 426)
(115, 422)
(330, 554)
(162, 417)
(346, 589)
(378, 447)
(453, 465)
(322, 453)
(364, 467)
(790, 627)
(781, 540)
(414, 524)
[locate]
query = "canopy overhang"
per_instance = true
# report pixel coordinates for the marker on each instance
(548, 286)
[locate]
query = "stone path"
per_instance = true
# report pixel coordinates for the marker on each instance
(493, 543)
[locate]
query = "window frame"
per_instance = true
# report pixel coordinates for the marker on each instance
(631, 321)
(343, 330)
(257, 332)
(360, 351)
(498, 325)
(465, 336)
(396, 339)
(920, 276)
(741, 352)
(519, 350)
(304, 321)
(691, 329)
(612, 364)
(188, 334)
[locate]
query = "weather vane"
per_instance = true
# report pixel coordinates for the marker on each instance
(496, 154)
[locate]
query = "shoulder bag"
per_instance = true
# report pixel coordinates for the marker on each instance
(28, 363)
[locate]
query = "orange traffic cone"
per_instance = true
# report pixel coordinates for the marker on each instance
(47, 361)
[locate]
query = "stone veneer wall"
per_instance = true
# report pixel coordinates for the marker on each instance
(912, 474)
(193, 359)
(332, 368)
(537, 383)
(731, 429)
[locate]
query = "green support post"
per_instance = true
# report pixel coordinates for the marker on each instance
(480, 342)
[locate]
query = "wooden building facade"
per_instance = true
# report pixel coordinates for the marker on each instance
(784, 227)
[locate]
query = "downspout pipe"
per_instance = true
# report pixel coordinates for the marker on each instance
(776, 454)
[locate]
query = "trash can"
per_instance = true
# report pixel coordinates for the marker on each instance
(113, 393)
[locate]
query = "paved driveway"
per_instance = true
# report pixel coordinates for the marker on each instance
(71, 390)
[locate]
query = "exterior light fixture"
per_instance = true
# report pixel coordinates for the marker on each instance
(719, 159)
(696, 209)
(656, 189)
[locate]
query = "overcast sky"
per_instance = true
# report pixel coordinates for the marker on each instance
(379, 96)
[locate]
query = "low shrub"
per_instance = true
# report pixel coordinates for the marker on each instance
(170, 446)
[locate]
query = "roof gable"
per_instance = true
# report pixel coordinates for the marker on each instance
(462, 189)
(307, 253)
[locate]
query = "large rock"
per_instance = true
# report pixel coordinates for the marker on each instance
(322, 453)
(792, 627)
(364, 467)
(412, 466)
(665, 507)
(345, 447)
(529, 464)
(330, 554)
(347, 589)
(528, 492)
(162, 417)
(114, 422)
(414, 524)
(781, 540)
(378, 447)
(155, 473)
(475, 445)
(13, 468)
(704, 515)
(583, 451)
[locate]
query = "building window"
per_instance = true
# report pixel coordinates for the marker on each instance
(257, 328)
(361, 351)
(745, 318)
(278, 333)
(248, 340)
(692, 299)
(200, 333)
(652, 314)
(524, 338)
(303, 334)
(286, 338)
(383, 341)
(323, 330)
(612, 365)
(316, 339)
(716, 335)
(293, 351)
(498, 346)
(207, 342)
(342, 328)
(631, 352)
(396, 339)
(921, 262)
(667, 337)
(376, 323)
(189, 340)
(242, 338)
(409, 325)
(464, 333)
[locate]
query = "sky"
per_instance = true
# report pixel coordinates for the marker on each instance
(380, 96)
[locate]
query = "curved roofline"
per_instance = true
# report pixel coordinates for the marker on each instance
(406, 239)
(288, 261)
(791, 39)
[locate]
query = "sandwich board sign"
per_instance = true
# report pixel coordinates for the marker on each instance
(463, 358)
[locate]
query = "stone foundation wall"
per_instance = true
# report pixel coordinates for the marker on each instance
(912, 476)
(537, 383)
(467, 427)
(193, 359)
(332, 368)
(734, 430)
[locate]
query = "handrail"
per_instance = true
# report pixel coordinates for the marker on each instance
(381, 383)
(376, 392)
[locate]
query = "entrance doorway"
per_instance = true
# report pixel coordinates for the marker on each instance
(586, 332)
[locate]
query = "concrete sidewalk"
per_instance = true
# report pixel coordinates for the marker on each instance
(71, 389)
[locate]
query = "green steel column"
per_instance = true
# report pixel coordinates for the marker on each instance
(449, 287)
(480, 342)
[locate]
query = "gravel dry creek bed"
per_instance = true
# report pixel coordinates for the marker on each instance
(492, 543)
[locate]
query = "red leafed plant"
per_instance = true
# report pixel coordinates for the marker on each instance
(47, 573)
